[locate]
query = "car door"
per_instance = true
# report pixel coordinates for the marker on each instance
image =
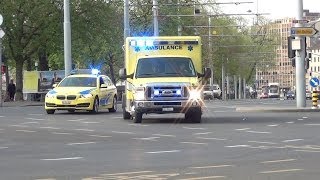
(102, 91)
(111, 89)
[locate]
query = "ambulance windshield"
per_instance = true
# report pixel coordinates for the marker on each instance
(165, 67)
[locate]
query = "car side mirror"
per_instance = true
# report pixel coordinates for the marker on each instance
(123, 74)
(103, 86)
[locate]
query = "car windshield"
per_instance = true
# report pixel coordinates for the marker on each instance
(79, 82)
(214, 87)
(207, 88)
(165, 67)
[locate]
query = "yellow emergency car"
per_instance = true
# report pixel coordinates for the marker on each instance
(90, 92)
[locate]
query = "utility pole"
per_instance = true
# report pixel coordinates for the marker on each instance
(67, 39)
(300, 56)
(228, 84)
(240, 84)
(210, 52)
(235, 86)
(244, 88)
(126, 29)
(223, 81)
(155, 18)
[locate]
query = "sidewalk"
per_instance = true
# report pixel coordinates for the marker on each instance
(22, 103)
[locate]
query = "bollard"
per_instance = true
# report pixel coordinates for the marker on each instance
(314, 99)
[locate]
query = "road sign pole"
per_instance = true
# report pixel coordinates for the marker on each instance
(300, 56)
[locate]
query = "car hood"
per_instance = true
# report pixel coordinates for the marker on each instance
(72, 90)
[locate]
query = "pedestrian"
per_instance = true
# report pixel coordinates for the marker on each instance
(11, 90)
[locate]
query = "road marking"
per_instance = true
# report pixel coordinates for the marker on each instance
(127, 173)
(148, 138)
(300, 119)
(262, 142)
(305, 117)
(215, 166)
(76, 120)
(240, 145)
(2, 116)
(273, 125)
(300, 150)
(92, 122)
(24, 126)
(4, 147)
(33, 122)
(143, 125)
(192, 128)
(122, 132)
(164, 135)
(159, 152)
(293, 140)
(35, 119)
(195, 143)
(21, 130)
(93, 135)
(202, 133)
(207, 177)
(211, 138)
(242, 129)
(89, 130)
(62, 133)
(312, 124)
(290, 122)
(35, 114)
(48, 127)
(61, 159)
(259, 132)
(83, 143)
(279, 171)
(275, 161)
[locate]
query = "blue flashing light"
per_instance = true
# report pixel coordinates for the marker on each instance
(95, 71)
(140, 43)
(149, 42)
(133, 43)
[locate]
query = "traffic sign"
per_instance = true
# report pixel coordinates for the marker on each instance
(303, 31)
(300, 21)
(314, 82)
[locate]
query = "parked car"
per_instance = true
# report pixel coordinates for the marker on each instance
(290, 95)
(217, 93)
(208, 92)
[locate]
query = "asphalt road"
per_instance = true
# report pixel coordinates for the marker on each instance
(227, 145)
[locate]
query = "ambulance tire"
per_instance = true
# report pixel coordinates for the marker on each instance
(125, 114)
(137, 117)
(193, 115)
(114, 105)
(50, 111)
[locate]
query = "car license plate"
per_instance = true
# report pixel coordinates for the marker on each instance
(66, 102)
(167, 109)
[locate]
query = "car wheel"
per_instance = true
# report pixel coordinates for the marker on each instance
(137, 117)
(114, 105)
(95, 106)
(125, 114)
(50, 111)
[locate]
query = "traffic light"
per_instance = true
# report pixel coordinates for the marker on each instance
(293, 62)
(291, 53)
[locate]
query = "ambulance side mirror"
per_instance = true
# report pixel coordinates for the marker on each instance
(123, 74)
(207, 73)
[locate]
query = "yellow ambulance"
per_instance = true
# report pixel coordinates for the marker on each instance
(163, 75)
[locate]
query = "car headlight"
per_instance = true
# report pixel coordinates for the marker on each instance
(49, 95)
(139, 93)
(195, 94)
(85, 95)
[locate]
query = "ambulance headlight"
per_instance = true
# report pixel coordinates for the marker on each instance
(194, 94)
(178, 92)
(139, 93)
(156, 92)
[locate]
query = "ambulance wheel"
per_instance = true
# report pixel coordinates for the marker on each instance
(137, 117)
(50, 111)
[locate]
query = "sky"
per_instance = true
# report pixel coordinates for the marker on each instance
(276, 9)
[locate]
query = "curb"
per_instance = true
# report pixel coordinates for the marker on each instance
(274, 109)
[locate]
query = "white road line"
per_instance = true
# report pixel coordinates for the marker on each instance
(259, 132)
(202, 133)
(143, 125)
(159, 152)
(21, 130)
(62, 133)
(215, 166)
(207, 177)
(192, 128)
(76, 120)
(61, 159)
(312, 124)
(4, 147)
(164, 135)
(194, 143)
(301, 150)
(93, 135)
(122, 132)
(48, 127)
(305, 117)
(240, 145)
(242, 129)
(35, 114)
(262, 142)
(279, 171)
(1, 129)
(290, 122)
(33, 122)
(23, 126)
(148, 138)
(83, 143)
(211, 138)
(276, 161)
(2, 116)
(35, 119)
(273, 125)
(127, 173)
(88, 122)
(300, 119)
(292, 140)
(89, 130)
